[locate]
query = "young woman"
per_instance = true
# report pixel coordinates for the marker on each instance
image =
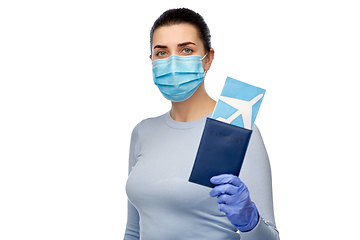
(163, 205)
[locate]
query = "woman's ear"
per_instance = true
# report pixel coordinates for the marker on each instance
(208, 60)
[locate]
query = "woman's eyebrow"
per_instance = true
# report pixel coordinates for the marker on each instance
(160, 46)
(185, 43)
(179, 45)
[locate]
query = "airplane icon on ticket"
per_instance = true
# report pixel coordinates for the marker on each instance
(239, 103)
(244, 108)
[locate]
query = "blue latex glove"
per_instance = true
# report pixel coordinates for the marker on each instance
(234, 200)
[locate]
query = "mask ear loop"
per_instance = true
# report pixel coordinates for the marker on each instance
(203, 57)
(205, 72)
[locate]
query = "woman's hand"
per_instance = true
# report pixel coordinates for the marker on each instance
(234, 200)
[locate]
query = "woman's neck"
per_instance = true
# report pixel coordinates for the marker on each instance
(199, 105)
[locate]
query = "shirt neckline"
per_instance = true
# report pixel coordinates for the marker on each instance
(184, 125)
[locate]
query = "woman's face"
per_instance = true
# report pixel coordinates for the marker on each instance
(181, 39)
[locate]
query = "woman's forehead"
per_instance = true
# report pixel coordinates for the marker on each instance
(174, 34)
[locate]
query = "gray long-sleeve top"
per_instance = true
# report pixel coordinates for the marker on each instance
(162, 203)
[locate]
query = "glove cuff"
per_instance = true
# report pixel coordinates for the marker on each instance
(254, 220)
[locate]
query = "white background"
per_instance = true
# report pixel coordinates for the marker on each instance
(75, 78)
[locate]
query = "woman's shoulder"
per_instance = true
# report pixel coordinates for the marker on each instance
(150, 123)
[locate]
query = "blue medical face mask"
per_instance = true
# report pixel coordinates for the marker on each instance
(178, 77)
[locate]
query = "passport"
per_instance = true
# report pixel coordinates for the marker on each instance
(221, 150)
(226, 135)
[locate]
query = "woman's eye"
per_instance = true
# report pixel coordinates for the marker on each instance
(161, 53)
(187, 50)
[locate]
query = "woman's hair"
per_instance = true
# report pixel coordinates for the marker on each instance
(184, 15)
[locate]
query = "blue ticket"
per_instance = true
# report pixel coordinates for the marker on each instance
(239, 103)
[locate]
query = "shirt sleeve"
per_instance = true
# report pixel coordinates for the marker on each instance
(132, 226)
(257, 177)
(263, 230)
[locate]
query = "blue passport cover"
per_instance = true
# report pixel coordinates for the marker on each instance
(222, 150)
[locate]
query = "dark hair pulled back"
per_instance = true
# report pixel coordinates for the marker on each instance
(183, 15)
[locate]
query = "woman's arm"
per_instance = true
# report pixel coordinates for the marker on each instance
(234, 199)
(132, 227)
(256, 174)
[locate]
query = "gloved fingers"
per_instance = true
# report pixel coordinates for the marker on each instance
(228, 210)
(240, 199)
(224, 189)
(226, 178)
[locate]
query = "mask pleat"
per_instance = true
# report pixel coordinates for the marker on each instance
(178, 77)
